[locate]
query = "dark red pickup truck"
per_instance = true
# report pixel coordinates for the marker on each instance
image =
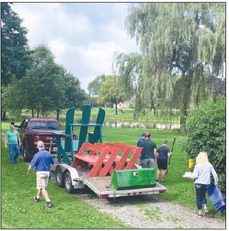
(32, 130)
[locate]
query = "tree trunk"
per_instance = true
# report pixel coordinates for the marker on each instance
(38, 113)
(184, 112)
(32, 112)
(58, 115)
(186, 99)
(3, 115)
(116, 109)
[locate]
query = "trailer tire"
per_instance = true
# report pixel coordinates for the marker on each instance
(68, 183)
(59, 177)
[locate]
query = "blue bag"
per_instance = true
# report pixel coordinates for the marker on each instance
(217, 198)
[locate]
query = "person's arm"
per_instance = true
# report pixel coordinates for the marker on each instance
(29, 169)
(19, 140)
(32, 164)
(195, 172)
(169, 153)
(6, 142)
(155, 154)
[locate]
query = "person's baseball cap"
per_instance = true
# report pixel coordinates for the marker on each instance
(143, 134)
(40, 144)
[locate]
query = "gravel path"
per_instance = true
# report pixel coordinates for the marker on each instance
(148, 211)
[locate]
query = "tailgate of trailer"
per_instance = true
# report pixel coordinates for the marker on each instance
(101, 186)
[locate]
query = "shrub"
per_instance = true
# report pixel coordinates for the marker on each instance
(206, 130)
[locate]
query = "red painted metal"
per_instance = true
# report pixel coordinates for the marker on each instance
(105, 158)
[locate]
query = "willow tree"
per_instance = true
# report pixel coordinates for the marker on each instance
(182, 50)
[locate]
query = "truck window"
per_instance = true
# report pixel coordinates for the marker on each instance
(53, 125)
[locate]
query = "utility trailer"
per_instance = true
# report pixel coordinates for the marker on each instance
(107, 170)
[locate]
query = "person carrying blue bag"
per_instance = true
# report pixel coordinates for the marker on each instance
(202, 178)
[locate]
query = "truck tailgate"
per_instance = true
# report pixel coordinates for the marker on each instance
(100, 185)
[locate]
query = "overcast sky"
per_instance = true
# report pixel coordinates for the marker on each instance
(82, 36)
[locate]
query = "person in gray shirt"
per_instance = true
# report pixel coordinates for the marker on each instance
(202, 178)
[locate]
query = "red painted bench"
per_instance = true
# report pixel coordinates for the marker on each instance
(105, 158)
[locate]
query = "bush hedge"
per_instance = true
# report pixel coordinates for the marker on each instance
(206, 130)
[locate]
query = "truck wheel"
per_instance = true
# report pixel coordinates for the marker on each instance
(25, 154)
(68, 183)
(59, 177)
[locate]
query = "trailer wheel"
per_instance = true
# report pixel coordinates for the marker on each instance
(59, 177)
(68, 183)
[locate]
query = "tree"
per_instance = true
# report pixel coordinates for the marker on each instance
(42, 82)
(11, 100)
(182, 51)
(14, 49)
(48, 86)
(206, 130)
(73, 93)
(94, 86)
(110, 92)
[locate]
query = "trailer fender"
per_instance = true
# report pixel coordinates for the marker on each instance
(73, 172)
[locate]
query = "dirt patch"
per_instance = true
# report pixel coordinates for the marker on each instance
(148, 211)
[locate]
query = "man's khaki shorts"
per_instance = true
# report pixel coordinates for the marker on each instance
(42, 179)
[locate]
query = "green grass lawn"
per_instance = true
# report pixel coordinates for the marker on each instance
(20, 212)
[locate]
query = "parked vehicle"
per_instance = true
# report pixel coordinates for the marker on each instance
(31, 130)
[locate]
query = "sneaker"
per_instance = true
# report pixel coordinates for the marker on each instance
(48, 205)
(36, 199)
(200, 214)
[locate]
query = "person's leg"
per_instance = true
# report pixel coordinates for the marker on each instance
(42, 182)
(144, 163)
(158, 174)
(17, 152)
(39, 192)
(199, 198)
(37, 197)
(163, 174)
(204, 201)
(11, 151)
(150, 163)
(45, 195)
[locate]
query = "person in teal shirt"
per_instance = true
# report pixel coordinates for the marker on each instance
(13, 141)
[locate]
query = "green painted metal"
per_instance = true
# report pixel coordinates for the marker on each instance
(85, 120)
(72, 146)
(96, 136)
(134, 178)
(68, 129)
(60, 151)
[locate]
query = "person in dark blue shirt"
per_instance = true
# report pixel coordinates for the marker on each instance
(141, 139)
(162, 155)
(41, 162)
